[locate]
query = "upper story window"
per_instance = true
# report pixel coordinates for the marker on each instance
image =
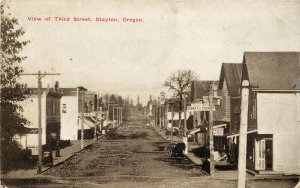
(253, 107)
(64, 108)
(298, 106)
(53, 107)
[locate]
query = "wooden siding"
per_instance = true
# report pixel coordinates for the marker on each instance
(276, 114)
(69, 118)
(235, 115)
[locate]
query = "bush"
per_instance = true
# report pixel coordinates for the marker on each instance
(14, 157)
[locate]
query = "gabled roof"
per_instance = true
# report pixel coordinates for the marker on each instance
(232, 73)
(200, 89)
(272, 70)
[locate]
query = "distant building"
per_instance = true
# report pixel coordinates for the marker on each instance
(200, 119)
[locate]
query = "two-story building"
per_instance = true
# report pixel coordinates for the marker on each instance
(273, 114)
(228, 111)
(73, 102)
(50, 118)
(199, 120)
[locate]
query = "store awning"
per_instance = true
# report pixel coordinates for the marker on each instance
(88, 123)
(235, 135)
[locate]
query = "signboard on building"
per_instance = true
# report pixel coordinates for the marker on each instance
(218, 131)
(89, 114)
(199, 108)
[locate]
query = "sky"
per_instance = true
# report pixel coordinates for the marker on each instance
(133, 59)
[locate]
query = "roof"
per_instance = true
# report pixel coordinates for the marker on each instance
(71, 91)
(272, 70)
(200, 89)
(49, 92)
(232, 73)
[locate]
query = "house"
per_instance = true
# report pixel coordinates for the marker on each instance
(273, 113)
(50, 119)
(73, 102)
(228, 112)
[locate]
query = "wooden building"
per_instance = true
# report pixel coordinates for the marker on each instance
(50, 119)
(273, 114)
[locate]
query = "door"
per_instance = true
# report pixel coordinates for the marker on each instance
(260, 157)
(269, 154)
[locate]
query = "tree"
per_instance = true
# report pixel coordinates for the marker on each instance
(180, 83)
(12, 121)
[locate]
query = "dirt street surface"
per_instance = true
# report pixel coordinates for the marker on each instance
(133, 156)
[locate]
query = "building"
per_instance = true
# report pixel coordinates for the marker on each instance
(73, 102)
(228, 112)
(50, 119)
(198, 121)
(273, 114)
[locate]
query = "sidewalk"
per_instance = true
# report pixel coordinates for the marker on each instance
(233, 174)
(162, 134)
(65, 154)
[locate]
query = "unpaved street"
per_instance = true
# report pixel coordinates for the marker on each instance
(134, 153)
(133, 156)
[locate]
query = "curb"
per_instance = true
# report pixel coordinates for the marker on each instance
(73, 154)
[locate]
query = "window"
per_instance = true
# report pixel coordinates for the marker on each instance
(298, 106)
(53, 107)
(64, 108)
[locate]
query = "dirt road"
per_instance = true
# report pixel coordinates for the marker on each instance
(133, 156)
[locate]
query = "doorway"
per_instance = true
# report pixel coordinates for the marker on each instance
(264, 154)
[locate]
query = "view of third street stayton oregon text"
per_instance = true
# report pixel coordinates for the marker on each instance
(150, 93)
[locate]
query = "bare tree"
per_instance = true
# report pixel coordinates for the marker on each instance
(180, 83)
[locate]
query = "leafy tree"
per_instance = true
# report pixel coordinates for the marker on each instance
(12, 121)
(179, 82)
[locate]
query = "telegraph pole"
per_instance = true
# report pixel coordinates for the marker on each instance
(97, 114)
(101, 119)
(154, 116)
(81, 115)
(121, 116)
(159, 110)
(172, 121)
(117, 116)
(184, 122)
(243, 135)
(113, 116)
(211, 139)
(39, 77)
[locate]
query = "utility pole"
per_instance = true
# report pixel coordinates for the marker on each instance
(155, 115)
(118, 111)
(121, 116)
(243, 135)
(211, 139)
(39, 77)
(113, 116)
(172, 121)
(97, 114)
(159, 111)
(81, 116)
(101, 119)
(184, 123)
